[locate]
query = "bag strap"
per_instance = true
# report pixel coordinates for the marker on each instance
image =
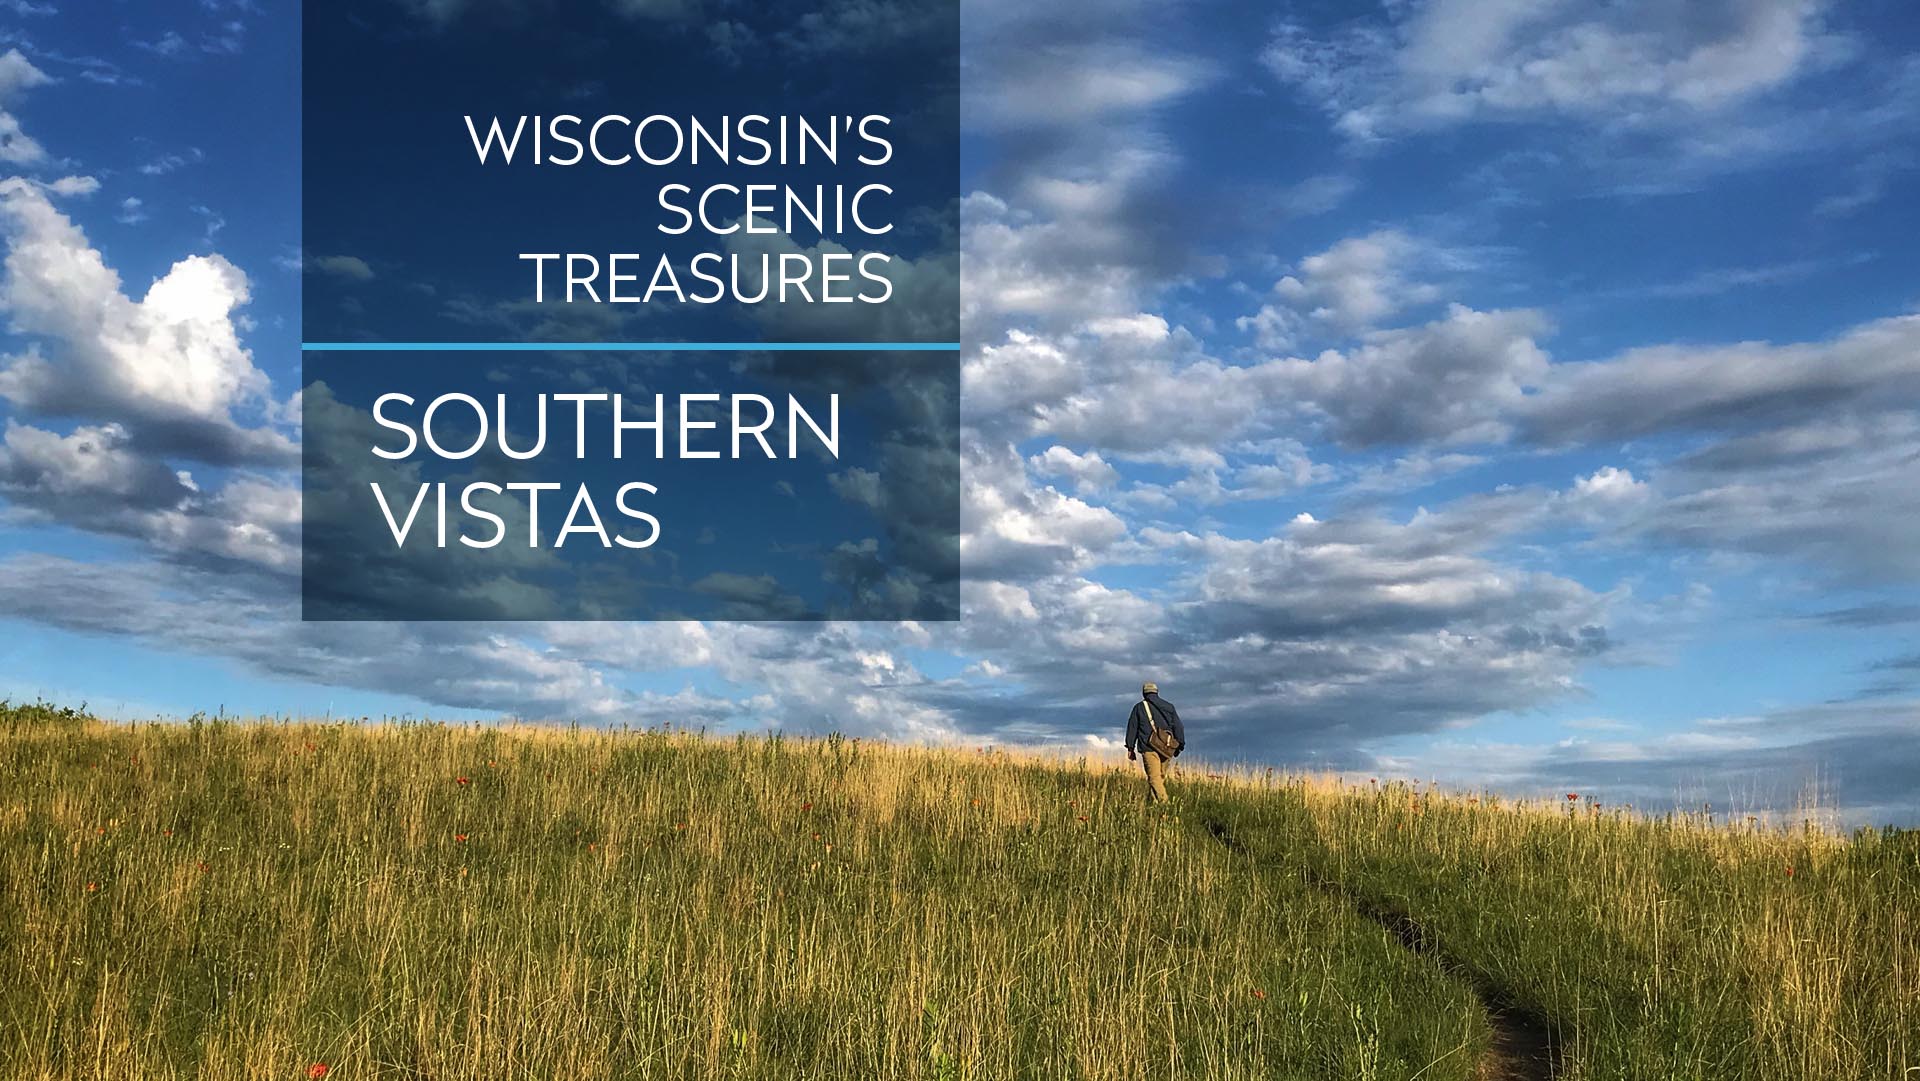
(1152, 724)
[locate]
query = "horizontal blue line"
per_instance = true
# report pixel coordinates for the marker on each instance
(625, 347)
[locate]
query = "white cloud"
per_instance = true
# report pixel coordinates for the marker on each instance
(1875, 365)
(1455, 380)
(1069, 83)
(95, 479)
(167, 163)
(93, 463)
(1452, 61)
(1609, 486)
(1351, 287)
(169, 366)
(1089, 472)
(72, 186)
(17, 74)
(1141, 327)
(1009, 529)
(348, 267)
(1837, 497)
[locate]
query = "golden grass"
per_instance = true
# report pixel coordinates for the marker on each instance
(241, 901)
(247, 900)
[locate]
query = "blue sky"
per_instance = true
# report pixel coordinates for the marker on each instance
(1518, 394)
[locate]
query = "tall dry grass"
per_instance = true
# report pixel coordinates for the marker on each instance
(1662, 948)
(248, 900)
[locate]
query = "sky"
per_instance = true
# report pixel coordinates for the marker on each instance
(1520, 395)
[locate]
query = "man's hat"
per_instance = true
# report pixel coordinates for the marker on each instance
(1149, 687)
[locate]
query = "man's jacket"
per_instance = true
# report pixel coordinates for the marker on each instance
(1163, 714)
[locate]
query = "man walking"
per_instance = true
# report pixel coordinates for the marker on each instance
(1154, 730)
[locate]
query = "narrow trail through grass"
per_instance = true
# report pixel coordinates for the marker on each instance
(1523, 1046)
(1612, 946)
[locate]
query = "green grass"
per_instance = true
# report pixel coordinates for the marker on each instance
(227, 900)
(1662, 949)
(224, 901)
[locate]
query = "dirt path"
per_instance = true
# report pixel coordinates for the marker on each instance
(1524, 1045)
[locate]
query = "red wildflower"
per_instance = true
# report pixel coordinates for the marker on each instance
(679, 825)
(1789, 872)
(808, 806)
(461, 781)
(93, 887)
(166, 833)
(1259, 994)
(1083, 818)
(317, 1070)
(204, 868)
(1573, 796)
(460, 837)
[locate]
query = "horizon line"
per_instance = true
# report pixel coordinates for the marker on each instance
(655, 347)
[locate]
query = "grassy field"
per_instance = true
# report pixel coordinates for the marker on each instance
(217, 900)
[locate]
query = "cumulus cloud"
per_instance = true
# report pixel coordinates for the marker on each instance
(1086, 242)
(168, 366)
(1455, 380)
(1088, 472)
(94, 479)
(1305, 643)
(1009, 529)
(90, 473)
(1351, 287)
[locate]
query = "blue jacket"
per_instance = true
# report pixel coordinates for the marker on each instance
(1163, 714)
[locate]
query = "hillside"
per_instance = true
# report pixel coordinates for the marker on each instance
(267, 900)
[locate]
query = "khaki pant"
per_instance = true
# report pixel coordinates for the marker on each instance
(1156, 764)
